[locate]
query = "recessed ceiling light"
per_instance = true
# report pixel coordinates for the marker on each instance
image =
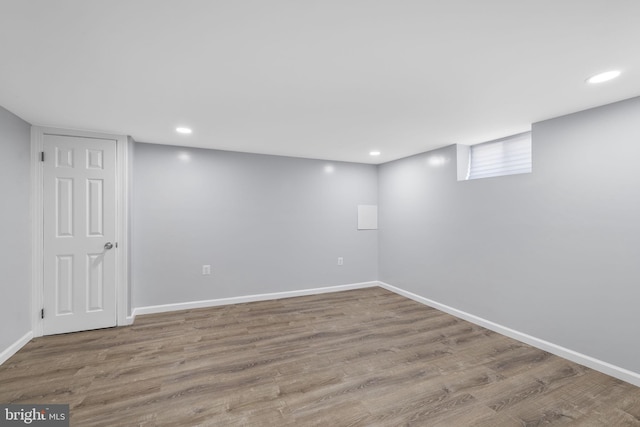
(603, 77)
(183, 130)
(374, 153)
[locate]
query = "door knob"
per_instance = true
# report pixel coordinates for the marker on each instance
(108, 245)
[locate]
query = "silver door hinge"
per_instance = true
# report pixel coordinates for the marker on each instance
(42, 313)
(42, 156)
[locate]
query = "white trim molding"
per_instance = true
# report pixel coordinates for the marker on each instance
(37, 220)
(37, 241)
(574, 356)
(248, 298)
(122, 229)
(15, 347)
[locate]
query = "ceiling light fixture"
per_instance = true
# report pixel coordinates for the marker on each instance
(183, 130)
(603, 77)
(374, 153)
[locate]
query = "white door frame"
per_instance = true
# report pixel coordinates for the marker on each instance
(37, 221)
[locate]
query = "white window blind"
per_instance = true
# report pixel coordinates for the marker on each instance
(507, 156)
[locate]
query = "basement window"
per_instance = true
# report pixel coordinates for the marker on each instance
(505, 156)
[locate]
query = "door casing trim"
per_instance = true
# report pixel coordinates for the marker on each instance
(37, 221)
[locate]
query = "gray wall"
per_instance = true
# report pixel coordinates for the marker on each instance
(264, 223)
(15, 254)
(554, 254)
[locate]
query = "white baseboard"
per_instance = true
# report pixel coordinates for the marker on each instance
(593, 363)
(13, 348)
(248, 298)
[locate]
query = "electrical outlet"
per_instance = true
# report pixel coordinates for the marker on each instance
(340, 260)
(206, 270)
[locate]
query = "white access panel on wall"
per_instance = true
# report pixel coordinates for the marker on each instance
(79, 233)
(367, 217)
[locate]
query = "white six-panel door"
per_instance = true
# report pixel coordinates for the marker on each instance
(79, 233)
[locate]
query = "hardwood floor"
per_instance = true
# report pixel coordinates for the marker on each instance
(364, 358)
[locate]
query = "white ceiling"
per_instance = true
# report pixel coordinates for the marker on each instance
(321, 79)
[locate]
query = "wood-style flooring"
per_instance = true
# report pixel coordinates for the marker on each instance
(364, 357)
